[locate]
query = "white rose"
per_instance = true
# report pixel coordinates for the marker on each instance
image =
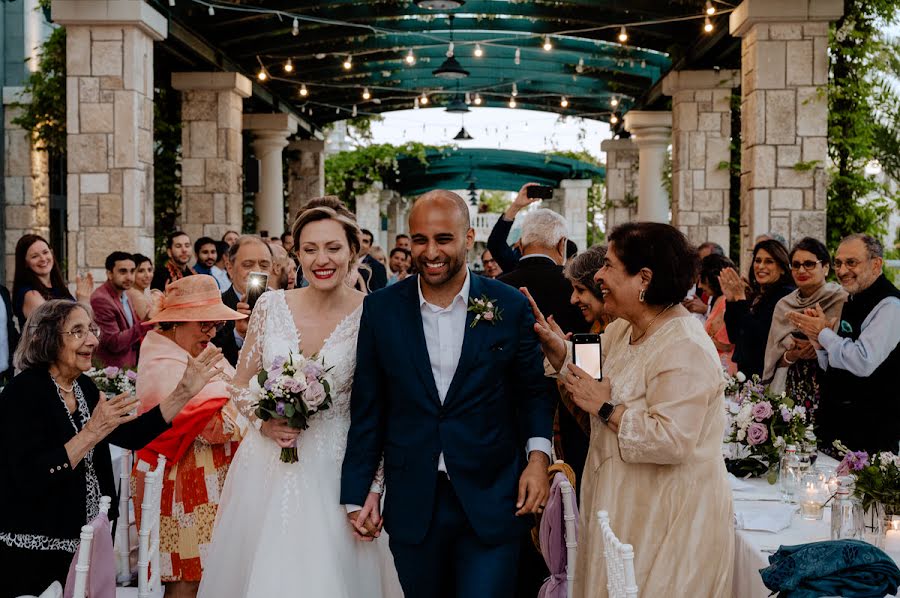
(740, 377)
(741, 435)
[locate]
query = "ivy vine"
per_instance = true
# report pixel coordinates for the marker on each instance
(166, 166)
(45, 115)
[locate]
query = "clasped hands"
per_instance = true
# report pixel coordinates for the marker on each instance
(811, 322)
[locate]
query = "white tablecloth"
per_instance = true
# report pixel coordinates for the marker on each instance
(752, 548)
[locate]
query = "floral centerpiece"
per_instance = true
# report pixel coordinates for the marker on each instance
(760, 424)
(877, 478)
(293, 388)
(113, 380)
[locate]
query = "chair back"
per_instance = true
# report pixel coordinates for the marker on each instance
(83, 555)
(123, 528)
(620, 580)
(569, 516)
(148, 536)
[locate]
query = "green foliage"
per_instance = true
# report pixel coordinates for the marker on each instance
(359, 128)
(45, 115)
(596, 202)
(166, 166)
(494, 202)
(806, 166)
(856, 121)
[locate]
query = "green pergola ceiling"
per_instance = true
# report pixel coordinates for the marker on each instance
(586, 65)
(501, 170)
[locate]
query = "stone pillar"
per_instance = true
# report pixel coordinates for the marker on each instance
(270, 137)
(652, 133)
(621, 181)
(701, 152)
(212, 151)
(306, 173)
(397, 219)
(368, 209)
(26, 184)
(570, 200)
(109, 101)
(784, 117)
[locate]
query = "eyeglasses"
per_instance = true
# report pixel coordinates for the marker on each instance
(807, 265)
(851, 263)
(486, 262)
(207, 326)
(79, 333)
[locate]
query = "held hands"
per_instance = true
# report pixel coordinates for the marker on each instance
(278, 430)
(110, 414)
(240, 326)
(367, 522)
(732, 286)
(534, 485)
(550, 335)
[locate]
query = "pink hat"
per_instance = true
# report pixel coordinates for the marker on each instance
(194, 298)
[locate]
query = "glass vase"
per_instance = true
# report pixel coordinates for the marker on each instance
(875, 524)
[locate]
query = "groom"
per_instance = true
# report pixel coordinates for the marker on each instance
(460, 411)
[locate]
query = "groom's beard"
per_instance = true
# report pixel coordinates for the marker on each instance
(453, 264)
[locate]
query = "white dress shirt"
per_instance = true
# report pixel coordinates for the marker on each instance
(445, 329)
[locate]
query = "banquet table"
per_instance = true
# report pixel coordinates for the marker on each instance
(752, 548)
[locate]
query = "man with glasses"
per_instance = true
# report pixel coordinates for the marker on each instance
(121, 330)
(247, 254)
(859, 352)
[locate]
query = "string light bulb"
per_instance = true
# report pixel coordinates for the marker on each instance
(477, 99)
(518, 58)
(262, 75)
(410, 57)
(348, 63)
(613, 119)
(303, 91)
(515, 90)
(564, 102)
(295, 27)
(478, 51)
(365, 94)
(171, 2)
(614, 102)
(450, 49)
(623, 35)
(288, 66)
(580, 68)
(710, 9)
(547, 45)
(424, 100)
(707, 25)
(211, 11)
(512, 102)
(468, 98)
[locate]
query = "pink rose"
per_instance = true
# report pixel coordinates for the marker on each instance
(761, 411)
(757, 433)
(111, 371)
(314, 395)
(488, 316)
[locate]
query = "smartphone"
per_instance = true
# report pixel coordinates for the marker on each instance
(587, 355)
(257, 284)
(539, 192)
(799, 335)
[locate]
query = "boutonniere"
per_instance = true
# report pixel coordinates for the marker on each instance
(484, 309)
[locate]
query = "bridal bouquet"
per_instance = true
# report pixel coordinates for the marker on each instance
(293, 388)
(760, 424)
(112, 380)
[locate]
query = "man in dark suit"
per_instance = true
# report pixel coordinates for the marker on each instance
(10, 342)
(540, 270)
(248, 254)
(376, 276)
(121, 332)
(444, 396)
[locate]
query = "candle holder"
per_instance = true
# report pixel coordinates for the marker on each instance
(812, 495)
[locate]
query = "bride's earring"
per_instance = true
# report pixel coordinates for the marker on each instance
(641, 295)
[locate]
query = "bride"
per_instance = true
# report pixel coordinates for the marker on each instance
(281, 529)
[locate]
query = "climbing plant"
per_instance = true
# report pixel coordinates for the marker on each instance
(166, 166)
(45, 114)
(861, 105)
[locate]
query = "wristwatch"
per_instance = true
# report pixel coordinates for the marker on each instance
(606, 411)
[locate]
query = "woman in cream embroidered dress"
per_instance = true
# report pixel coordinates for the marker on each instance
(656, 464)
(281, 530)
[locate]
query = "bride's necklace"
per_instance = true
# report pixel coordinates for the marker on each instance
(641, 335)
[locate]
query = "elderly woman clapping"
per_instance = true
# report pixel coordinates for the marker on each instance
(55, 431)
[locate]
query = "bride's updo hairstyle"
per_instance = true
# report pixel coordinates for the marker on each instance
(328, 207)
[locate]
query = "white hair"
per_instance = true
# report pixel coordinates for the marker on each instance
(543, 227)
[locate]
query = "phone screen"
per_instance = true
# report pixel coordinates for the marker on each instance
(257, 284)
(587, 357)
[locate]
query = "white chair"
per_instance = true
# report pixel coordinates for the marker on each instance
(620, 580)
(55, 590)
(123, 528)
(568, 501)
(148, 536)
(83, 565)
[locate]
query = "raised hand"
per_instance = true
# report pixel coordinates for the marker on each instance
(240, 326)
(732, 286)
(521, 201)
(110, 414)
(550, 335)
(84, 286)
(199, 371)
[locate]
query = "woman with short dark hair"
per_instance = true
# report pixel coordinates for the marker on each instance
(657, 421)
(710, 268)
(55, 432)
(748, 315)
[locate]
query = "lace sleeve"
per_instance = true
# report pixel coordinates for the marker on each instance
(250, 363)
(378, 483)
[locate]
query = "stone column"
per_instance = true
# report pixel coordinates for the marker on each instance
(652, 133)
(368, 209)
(270, 137)
(701, 152)
(784, 117)
(621, 181)
(306, 173)
(397, 218)
(212, 151)
(109, 101)
(570, 200)
(26, 184)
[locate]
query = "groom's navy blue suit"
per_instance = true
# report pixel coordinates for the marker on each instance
(498, 398)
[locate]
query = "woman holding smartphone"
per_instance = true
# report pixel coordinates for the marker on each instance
(791, 364)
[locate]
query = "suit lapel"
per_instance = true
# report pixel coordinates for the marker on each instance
(473, 340)
(416, 333)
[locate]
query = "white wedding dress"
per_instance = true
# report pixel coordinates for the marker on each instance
(280, 529)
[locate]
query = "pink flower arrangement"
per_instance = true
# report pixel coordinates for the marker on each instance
(761, 411)
(757, 433)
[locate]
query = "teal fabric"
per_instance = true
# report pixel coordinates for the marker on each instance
(847, 568)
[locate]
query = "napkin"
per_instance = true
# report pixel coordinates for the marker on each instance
(737, 484)
(765, 518)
